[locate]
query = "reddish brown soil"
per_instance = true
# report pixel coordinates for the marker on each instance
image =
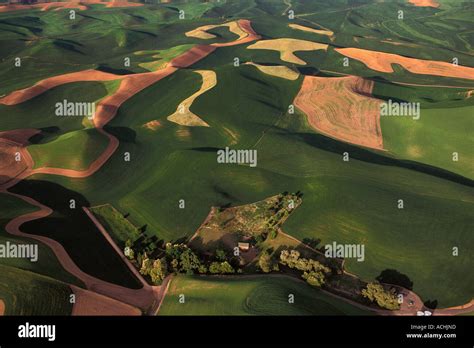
(2, 307)
(19, 136)
(91, 303)
(381, 61)
(42, 86)
(58, 5)
(425, 3)
(147, 298)
(13, 143)
(342, 108)
(192, 56)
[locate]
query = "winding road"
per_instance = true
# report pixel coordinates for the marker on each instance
(148, 298)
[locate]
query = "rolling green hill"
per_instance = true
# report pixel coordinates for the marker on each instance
(250, 296)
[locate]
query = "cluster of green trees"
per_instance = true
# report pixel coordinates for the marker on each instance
(221, 268)
(280, 211)
(266, 262)
(156, 269)
(314, 272)
(178, 258)
(387, 299)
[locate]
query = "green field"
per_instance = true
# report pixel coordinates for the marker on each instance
(114, 222)
(73, 150)
(346, 202)
(27, 293)
(444, 127)
(47, 264)
(250, 296)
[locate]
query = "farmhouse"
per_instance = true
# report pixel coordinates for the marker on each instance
(244, 246)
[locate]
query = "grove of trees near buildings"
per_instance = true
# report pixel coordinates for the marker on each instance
(376, 293)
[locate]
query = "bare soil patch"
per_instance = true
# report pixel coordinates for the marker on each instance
(42, 86)
(91, 303)
(342, 108)
(2, 307)
(381, 61)
(153, 125)
(425, 3)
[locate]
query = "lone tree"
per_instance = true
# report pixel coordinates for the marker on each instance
(375, 292)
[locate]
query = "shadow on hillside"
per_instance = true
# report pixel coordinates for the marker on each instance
(74, 230)
(106, 68)
(123, 134)
(392, 276)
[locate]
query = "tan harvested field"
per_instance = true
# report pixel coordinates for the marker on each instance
(246, 26)
(342, 108)
(241, 27)
(311, 30)
(281, 71)
(201, 32)
(425, 3)
(2, 307)
(287, 47)
(381, 61)
(91, 303)
(183, 115)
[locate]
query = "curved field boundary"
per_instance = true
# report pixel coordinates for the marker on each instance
(281, 71)
(465, 308)
(142, 298)
(401, 83)
(25, 94)
(342, 108)
(381, 61)
(58, 5)
(2, 307)
(311, 30)
(287, 47)
(246, 26)
(201, 32)
(147, 297)
(183, 115)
